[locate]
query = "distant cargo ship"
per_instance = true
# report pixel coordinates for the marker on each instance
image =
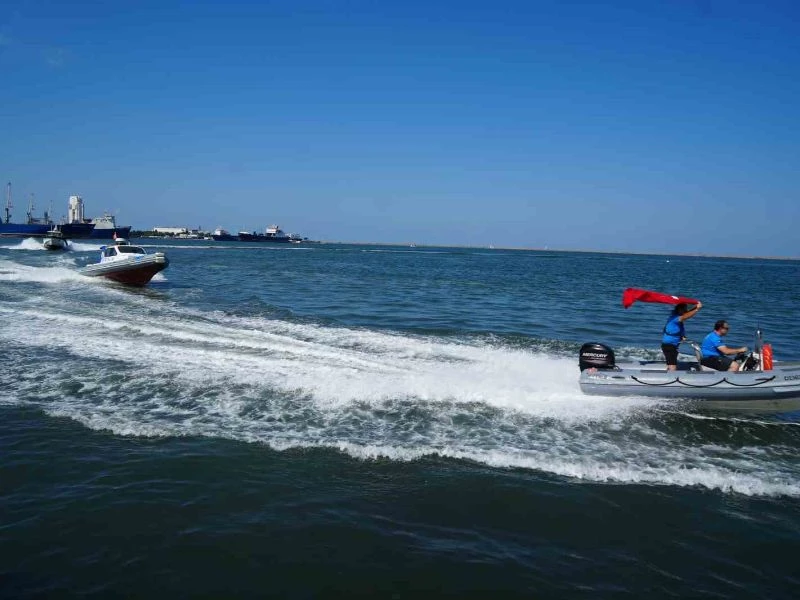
(31, 227)
(223, 235)
(99, 228)
(76, 226)
(273, 234)
(105, 228)
(35, 227)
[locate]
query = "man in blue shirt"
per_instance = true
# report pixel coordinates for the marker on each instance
(715, 353)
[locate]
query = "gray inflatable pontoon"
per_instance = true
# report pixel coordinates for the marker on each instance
(754, 390)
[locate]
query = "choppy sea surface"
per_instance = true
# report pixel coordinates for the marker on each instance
(328, 420)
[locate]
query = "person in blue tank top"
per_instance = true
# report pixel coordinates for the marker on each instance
(716, 354)
(675, 333)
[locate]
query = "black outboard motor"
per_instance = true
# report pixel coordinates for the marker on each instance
(596, 355)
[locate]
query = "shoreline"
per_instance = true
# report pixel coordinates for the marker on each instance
(508, 248)
(572, 250)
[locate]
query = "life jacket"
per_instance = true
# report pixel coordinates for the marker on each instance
(674, 330)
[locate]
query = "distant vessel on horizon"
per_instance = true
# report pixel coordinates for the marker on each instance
(32, 227)
(36, 227)
(75, 226)
(273, 234)
(223, 235)
(101, 228)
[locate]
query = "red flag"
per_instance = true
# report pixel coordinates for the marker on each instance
(631, 295)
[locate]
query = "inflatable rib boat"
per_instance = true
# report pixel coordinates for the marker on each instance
(127, 264)
(760, 388)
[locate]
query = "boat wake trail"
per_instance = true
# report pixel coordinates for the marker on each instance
(143, 367)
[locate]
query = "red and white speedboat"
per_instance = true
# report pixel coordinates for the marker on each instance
(127, 264)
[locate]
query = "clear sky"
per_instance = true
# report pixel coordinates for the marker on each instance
(650, 126)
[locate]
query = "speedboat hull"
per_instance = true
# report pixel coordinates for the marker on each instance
(55, 243)
(134, 270)
(773, 391)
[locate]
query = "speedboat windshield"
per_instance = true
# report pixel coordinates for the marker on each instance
(130, 250)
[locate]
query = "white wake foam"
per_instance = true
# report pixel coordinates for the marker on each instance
(30, 243)
(62, 270)
(138, 366)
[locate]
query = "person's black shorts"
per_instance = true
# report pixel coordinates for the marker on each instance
(720, 363)
(670, 353)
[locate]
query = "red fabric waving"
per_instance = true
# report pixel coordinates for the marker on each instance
(631, 295)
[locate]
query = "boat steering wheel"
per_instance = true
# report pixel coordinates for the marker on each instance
(747, 361)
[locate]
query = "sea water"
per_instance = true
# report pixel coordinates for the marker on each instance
(327, 419)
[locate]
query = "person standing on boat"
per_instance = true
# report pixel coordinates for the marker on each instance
(674, 332)
(715, 353)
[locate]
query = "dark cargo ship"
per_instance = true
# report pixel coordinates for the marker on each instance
(36, 227)
(272, 234)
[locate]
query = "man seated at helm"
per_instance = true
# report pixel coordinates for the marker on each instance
(715, 353)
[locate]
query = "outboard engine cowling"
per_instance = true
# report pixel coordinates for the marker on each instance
(598, 356)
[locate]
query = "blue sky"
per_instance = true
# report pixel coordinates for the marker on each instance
(625, 126)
